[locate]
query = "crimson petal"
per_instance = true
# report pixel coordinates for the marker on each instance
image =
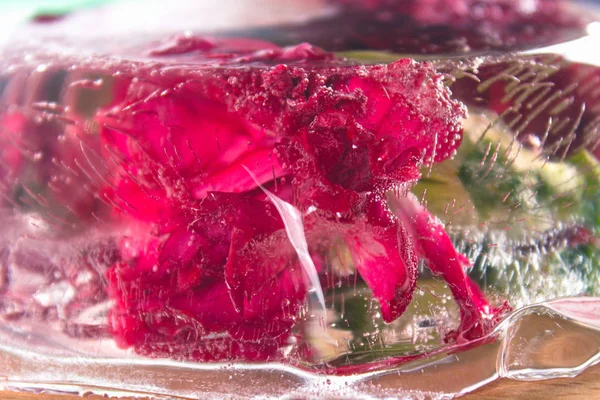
(384, 256)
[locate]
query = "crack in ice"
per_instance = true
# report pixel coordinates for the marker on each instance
(294, 229)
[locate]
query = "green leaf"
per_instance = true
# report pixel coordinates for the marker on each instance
(29, 8)
(589, 167)
(375, 56)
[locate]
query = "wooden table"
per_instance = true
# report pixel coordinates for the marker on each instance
(584, 387)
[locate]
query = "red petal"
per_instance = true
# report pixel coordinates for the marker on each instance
(181, 247)
(235, 178)
(211, 305)
(433, 243)
(384, 255)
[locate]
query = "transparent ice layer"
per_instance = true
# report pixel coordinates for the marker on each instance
(229, 212)
(551, 340)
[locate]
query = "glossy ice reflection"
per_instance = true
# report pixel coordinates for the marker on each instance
(341, 221)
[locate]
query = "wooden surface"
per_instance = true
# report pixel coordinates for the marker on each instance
(584, 387)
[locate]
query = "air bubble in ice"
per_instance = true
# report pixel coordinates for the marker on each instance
(58, 294)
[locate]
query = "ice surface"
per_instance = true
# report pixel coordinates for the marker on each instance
(183, 197)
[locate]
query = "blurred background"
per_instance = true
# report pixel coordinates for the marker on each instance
(149, 13)
(13, 12)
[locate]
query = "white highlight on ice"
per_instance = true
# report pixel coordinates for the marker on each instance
(579, 50)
